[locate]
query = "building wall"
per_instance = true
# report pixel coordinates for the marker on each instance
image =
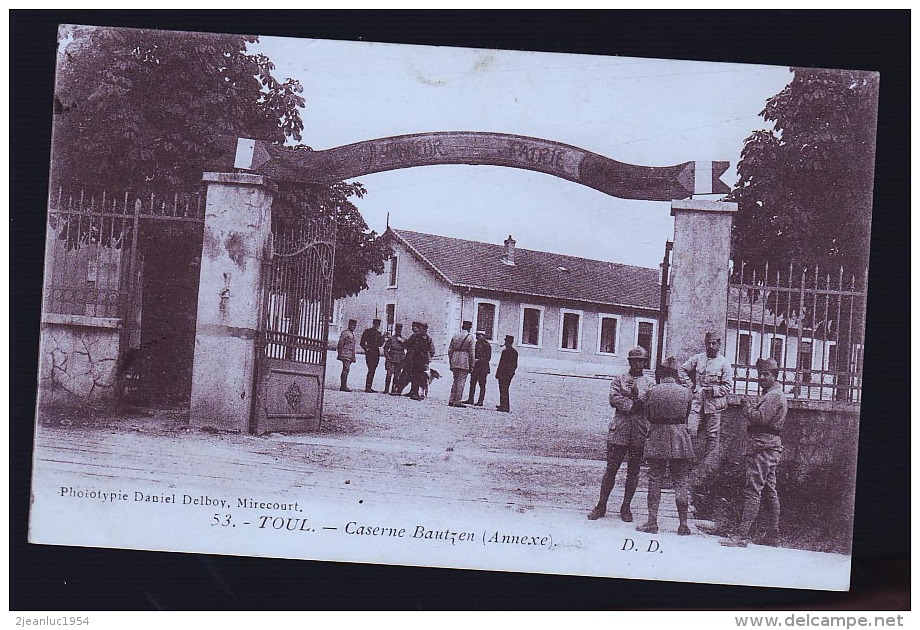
(817, 472)
(549, 354)
(419, 295)
(78, 362)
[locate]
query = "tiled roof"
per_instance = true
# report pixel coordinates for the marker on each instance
(541, 274)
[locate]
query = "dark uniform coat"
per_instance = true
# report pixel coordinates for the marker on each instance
(507, 364)
(419, 351)
(371, 341)
(483, 356)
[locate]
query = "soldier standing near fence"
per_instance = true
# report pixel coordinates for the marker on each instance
(709, 375)
(626, 434)
(668, 446)
(766, 419)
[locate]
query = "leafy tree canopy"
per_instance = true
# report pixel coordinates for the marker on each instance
(805, 186)
(144, 110)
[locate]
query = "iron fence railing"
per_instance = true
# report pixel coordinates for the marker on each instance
(811, 322)
(91, 247)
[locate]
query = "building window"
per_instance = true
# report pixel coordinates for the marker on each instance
(394, 271)
(531, 333)
(570, 330)
(486, 318)
(806, 355)
(645, 337)
(390, 316)
(608, 334)
(743, 355)
(776, 350)
(831, 358)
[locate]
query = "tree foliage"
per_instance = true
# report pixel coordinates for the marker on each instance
(144, 110)
(805, 186)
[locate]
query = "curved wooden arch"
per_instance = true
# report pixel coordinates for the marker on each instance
(626, 181)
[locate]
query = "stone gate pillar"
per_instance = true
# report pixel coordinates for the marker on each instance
(236, 233)
(698, 298)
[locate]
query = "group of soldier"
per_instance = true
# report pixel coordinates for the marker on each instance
(674, 423)
(659, 421)
(467, 359)
(407, 362)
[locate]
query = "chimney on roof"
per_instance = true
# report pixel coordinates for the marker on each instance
(509, 251)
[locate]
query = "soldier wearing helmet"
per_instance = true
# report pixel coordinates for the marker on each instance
(627, 432)
(709, 375)
(638, 353)
(766, 418)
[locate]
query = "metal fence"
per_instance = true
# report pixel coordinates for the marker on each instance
(811, 322)
(91, 247)
(94, 264)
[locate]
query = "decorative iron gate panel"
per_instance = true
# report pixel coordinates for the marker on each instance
(291, 350)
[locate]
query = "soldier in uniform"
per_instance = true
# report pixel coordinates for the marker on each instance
(766, 419)
(409, 361)
(346, 352)
(419, 352)
(627, 433)
(709, 375)
(507, 366)
(480, 369)
(394, 353)
(461, 355)
(668, 445)
(371, 341)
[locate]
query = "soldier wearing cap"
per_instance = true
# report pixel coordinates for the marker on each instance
(394, 353)
(346, 352)
(419, 352)
(766, 419)
(410, 346)
(668, 445)
(371, 342)
(627, 433)
(461, 355)
(507, 366)
(481, 369)
(710, 377)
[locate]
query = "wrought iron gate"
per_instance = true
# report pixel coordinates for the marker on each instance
(296, 305)
(95, 274)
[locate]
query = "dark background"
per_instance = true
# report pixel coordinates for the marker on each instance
(57, 578)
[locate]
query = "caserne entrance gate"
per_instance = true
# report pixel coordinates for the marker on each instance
(235, 318)
(294, 325)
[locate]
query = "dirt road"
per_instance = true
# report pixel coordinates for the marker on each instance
(384, 459)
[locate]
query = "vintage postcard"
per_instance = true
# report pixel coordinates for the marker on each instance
(450, 307)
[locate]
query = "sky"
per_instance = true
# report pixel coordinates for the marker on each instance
(640, 111)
